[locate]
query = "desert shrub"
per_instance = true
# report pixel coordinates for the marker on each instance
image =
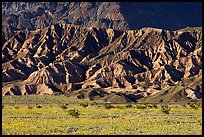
(16, 107)
(145, 103)
(155, 106)
(2, 106)
(74, 113)
(84, 104)
(81, 96)
(199, 105)
(93, 103)
(39, 106)
(30, 107)
(108, 106)
(150, 106)
(161, 100)
(165, 109)
(119, 107)
(141, 106)
(63, 106)
(194, 105)
(129, 106)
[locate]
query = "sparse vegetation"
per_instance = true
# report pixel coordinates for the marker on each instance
(93, 103)
(150, 106)
(84, 104)
(98, 120)
(194, 105)
(119, 107)
(74, 112)
(108, 105)
(36, 99)
(38, 106)
(141, 106)
(30, 107)
(16, 107)
(129, 106)
(102, 121)
(63, 106)
(165, 109)
(155, 106)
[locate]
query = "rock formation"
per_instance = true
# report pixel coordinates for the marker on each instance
(114, 15)
(134, 65)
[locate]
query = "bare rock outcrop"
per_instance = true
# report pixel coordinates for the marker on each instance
(69, 57)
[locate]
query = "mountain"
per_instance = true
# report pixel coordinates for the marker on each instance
(148, 64)
(114, 15)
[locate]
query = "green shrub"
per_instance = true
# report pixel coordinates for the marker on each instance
(150, 106)
(63, 107)
(129, 106)
(30, 107)
(194, 105)
(39, 106)
(93, 103)
(74, 113)
(108, 106)
(165, 109)
(16, 107)
(155, 106)
(199, 105)
(119, 107)
(84, 104)
(141, 106)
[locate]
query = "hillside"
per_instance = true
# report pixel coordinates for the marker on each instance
(114, 15)
(112, 65)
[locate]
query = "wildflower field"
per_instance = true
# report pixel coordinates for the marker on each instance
(98, 119)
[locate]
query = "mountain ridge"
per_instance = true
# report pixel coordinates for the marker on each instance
(64, 58)
(115, 15)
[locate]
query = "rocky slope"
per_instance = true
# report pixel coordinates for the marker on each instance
(111, 65)
(115, 15)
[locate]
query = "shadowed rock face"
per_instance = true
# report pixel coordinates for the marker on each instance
(115, 15)
(139, 64)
